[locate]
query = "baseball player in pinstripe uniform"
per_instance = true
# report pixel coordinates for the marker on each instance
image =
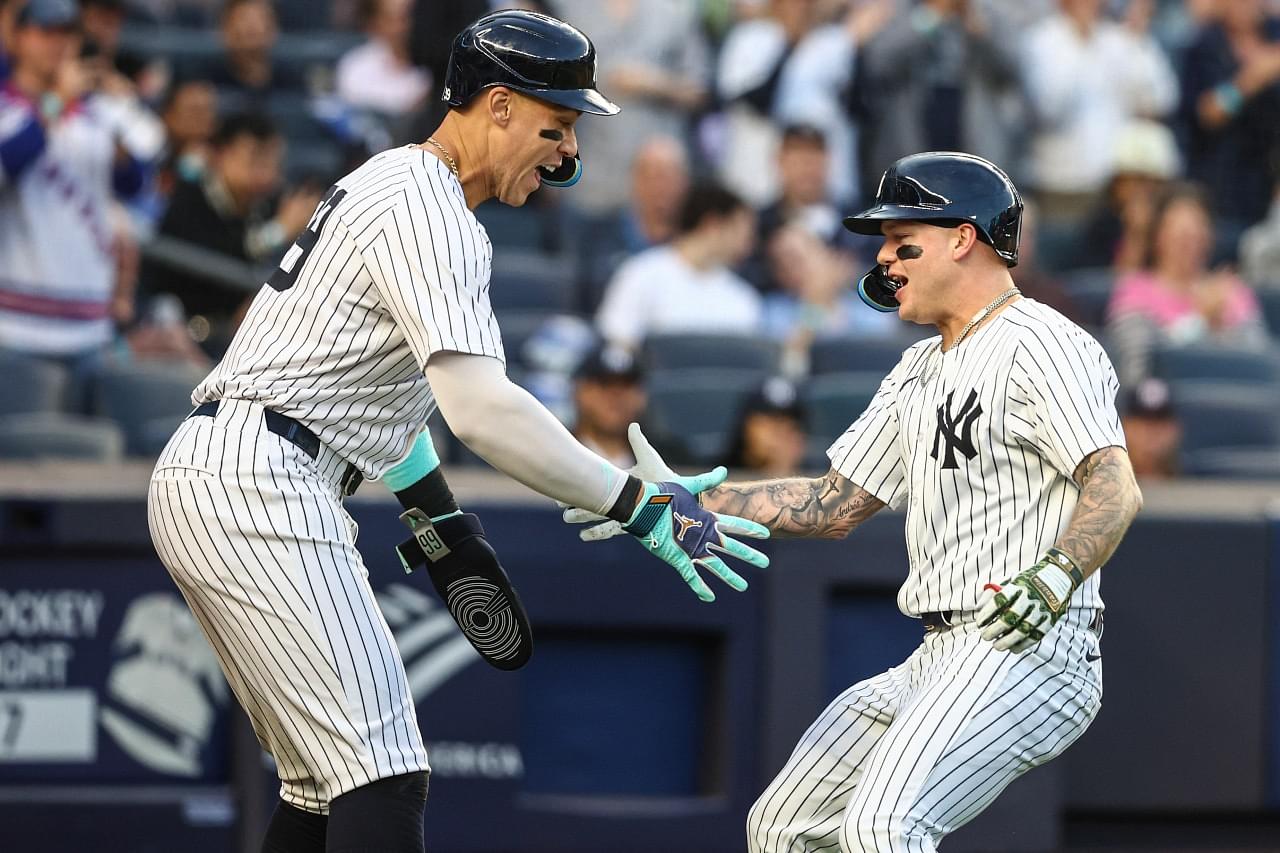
(1000, 439)
(379, 313)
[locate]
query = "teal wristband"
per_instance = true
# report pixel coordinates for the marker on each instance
(420, 462)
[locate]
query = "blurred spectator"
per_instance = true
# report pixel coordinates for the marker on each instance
(247, 70)
(189, 114)
(687, 286)
(1260, 249)
(771, 434)
(817, 299)
(1231, 106)
(430, 41)
(377, 75)
(102, 21)
(659, 181)
(1086, 77)
(608, 395)
(59, 166)
(803, 164)
(654, 63)
(1115, 235)
(959, 91)
(789, 67)
(8, 9)
(1151, 430)
(1176, 298)
(225, 211)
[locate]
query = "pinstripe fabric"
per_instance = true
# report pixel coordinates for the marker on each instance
(255, 537)
(399, 271)
(978, 445)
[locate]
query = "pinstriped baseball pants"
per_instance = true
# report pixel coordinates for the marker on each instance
(254, 535)
(900, 760)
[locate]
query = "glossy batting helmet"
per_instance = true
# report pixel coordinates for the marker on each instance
(945, 188)
(531, 53)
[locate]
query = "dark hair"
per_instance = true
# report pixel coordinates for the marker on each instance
(175, 86)
(256, 125)
(804, 133)
(1166, 198)
(230, 6)
(706, 199)
(367, 11)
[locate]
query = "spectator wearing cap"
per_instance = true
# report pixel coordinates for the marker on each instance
(377, 76)
(1151, 430)
(247, 71)
(60, 168)
(659, 181)
(688, 286)
(608, 395)
(226, 211)
(771, 433)
(1231, 109)
(1146, 159)
(1086, 77)
(1178, 297)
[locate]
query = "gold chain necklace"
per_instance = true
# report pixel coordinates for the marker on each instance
(985, 313)
(448, 158)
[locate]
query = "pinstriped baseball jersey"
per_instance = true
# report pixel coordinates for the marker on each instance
(392, 268)
(979, 445)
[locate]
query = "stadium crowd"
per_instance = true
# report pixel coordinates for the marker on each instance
(157, 157)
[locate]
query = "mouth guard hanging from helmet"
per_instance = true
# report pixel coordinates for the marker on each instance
(935, 187)
(564, 175)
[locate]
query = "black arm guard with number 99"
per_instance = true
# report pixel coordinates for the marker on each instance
(466, 573)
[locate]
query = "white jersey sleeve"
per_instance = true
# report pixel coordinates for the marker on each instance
(430, 264)
(869, 453)
(1065, 401)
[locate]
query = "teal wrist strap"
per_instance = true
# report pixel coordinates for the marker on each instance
(420, 462)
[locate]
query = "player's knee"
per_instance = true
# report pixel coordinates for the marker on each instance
(385, 815)
(865, 828)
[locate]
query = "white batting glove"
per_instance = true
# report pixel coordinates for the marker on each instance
(1016, 614)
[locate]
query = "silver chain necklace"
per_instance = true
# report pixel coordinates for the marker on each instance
(985, 313)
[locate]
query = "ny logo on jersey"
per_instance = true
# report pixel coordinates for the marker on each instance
(947, 430)
(685, 523)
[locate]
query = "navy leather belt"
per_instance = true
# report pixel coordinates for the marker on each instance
(297, 434)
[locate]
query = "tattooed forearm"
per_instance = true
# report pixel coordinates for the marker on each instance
(1109, 499)
(829, 506)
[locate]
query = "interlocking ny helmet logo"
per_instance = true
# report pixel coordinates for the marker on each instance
(947, 429)
(685, 523)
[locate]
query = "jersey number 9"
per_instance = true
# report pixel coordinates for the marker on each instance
(291, 264)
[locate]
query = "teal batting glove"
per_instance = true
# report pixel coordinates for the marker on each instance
(669, 522)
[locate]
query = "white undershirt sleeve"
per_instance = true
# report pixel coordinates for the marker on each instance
(504, 425)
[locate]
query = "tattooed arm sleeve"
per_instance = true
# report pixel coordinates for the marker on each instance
(1109, 499)
(829, 506)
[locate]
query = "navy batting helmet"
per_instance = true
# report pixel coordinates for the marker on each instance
(943, 188)
(529, 52)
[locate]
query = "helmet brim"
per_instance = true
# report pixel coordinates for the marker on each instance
(583, 100)
(868, 221)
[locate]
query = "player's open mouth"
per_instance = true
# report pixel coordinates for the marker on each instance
(898, 282)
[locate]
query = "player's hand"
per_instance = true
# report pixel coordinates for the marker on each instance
(649, 467)
(671, 524)
(1016, 614)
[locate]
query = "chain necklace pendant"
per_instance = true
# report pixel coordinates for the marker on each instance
(984, 314)
(448, 158)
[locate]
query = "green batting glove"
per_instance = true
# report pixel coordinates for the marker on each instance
(671, 524)
(1016, 614)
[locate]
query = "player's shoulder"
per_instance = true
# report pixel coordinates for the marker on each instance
(404, 181)
(1043, 333)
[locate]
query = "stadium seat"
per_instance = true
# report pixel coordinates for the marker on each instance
(841, 355)
(697, 351)
(147, 400)
(30, 385)
(1090, 292)
(530, 228)
(692, 413)
(1225, 415)
(1234, 463)
(1271, 309)
(835, 400)
(56, 436)
(1212, 361)
(531, 281)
